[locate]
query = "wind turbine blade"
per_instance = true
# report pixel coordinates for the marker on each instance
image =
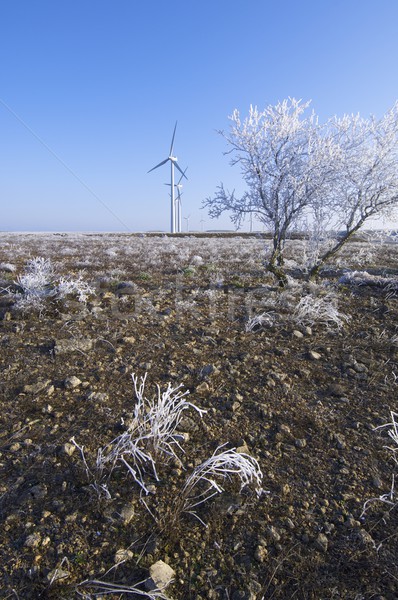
(159, 165)
(183, 175)
(172, 140)
(181, 171)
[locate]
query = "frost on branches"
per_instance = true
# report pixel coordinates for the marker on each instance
(365, 177)
(285, 163)
(336, 175)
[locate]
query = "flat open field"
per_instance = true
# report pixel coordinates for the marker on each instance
(301, 390)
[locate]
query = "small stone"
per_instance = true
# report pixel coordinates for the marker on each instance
(243, 449)
(261, 554)
(365, 538)
(161, 575)
(68, 448)
(72, 382)
(127, 513)
(300, 443)
(97, 397)
(340, 441)
(122, 555)
(298, 334)
(57, 575)
(284, 428)
(73, 345)
(321, 543)
(130, 339)
(314, 355)
(202, 388)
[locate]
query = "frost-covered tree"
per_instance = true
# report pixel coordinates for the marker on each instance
(364, 174)
(285, 163)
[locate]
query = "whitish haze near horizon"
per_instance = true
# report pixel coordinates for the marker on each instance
(90, 91)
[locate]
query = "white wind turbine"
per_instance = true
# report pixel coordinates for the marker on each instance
(178, 203)
(173, 161)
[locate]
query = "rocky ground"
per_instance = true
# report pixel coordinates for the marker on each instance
(303, 395)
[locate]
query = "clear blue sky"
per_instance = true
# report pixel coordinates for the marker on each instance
(102, 83)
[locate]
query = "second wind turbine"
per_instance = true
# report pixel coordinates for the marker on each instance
(173, 162)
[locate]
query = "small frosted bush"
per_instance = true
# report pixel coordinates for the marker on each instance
(205, 480)
(74, 287)
(151, 436)
(259, 321)
(39, 282)
(38, 277)
(311, 310)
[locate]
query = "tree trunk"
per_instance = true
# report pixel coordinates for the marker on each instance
(314, 272)
(275, 266)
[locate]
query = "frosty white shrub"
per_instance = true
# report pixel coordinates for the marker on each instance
(156, 420)
(36, 284)
(151, 435)
(67, 286)
(38, 277)
(259, 321)
(205, 480)
(39, 282)
(311, 310)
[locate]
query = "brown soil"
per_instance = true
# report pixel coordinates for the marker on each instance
(309, 419)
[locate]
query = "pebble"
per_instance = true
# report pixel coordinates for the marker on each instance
(73, 345)
(314, 355)
(321, 543)
(284, 428)
(202, 388)
(57, 575)
(261, 554)
(72, 382)
(68, 448)
(127, 513)
(98, 397)
(340, 441)
(300, 443)
(161, 575)
(365, 538)
(298, 334)
(122, 555)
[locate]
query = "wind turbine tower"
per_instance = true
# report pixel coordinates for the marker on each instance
(178, 203)
(173, 162)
